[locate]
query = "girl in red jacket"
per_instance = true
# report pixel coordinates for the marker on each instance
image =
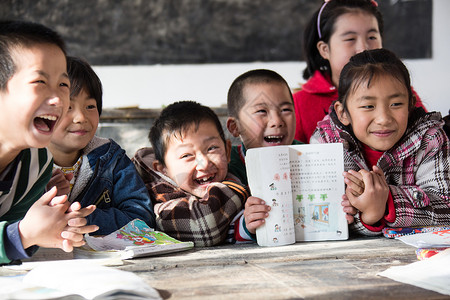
(337, 31)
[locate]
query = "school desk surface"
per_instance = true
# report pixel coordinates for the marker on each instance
(308, 270)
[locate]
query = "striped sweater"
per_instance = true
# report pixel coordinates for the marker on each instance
(22, 183)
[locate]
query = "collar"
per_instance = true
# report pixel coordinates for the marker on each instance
(319, 84)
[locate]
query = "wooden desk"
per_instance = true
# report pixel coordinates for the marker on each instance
(313, 270)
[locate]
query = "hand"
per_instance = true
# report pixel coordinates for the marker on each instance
(372, 202)
(354, 182)
(61, 181)
(48, 218)
(349, 210)
(255, 212)
(43, 222)
(76, 226)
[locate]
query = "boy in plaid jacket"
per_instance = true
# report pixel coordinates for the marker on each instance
(186, 174)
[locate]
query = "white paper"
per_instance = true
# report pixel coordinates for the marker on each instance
(436, 239)
(432, 273)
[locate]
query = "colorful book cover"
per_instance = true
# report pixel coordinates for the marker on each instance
(135, 239)
(390, 232)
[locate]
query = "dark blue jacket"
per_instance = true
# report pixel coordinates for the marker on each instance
(108, 179)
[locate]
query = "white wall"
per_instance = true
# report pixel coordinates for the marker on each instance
(158, 85)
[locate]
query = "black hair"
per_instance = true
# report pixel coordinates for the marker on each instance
(367, 65)
(82, 76)
(15, 34)
(235, 98)
(175, 120)
(331, 12)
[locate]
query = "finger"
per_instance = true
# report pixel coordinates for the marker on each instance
(350, 219)
(357, 187)
(48, 196)
(67, 246)
(76, 206)
(69, 176)
(257, 209)
(355, 174)
(254, 201)
(77, 222)
(377, 170)
(368, 179)
(252, 226)
(256, 216)
(71, 236)
(58, 200)
(81, 213)
(82, 229)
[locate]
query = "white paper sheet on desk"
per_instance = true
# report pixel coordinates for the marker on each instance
(82, 280)
(436, 239)
(432, 273)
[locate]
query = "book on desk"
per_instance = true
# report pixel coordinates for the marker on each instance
(135, 239)
(304, 185)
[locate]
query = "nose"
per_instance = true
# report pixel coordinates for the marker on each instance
(276, 120)
(56, 101)
(202, 161)
(78, 116)
(361, 45)
(384, 116)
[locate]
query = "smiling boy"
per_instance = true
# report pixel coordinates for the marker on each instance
(94, 170)
(34, 96)
(186, 174)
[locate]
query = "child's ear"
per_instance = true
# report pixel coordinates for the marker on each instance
(341, 114)
(324, 49)
(232, 126)
(228, 148)
(159, 167)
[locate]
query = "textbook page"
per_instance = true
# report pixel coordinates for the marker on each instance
(268, 178)
(317, 189)
(304, 185)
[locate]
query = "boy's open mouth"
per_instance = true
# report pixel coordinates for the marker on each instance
(274, 139)
(45, 123)
(205, 180)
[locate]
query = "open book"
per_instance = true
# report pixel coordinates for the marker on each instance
(135, 239)
(304, 185)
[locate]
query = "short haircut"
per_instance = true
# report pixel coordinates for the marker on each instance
(175, 120)
(16, 34)
(235, 99)
(328, 16)
(367, 65)
(82, 76)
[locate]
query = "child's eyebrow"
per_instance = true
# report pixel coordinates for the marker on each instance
(372, 30)
(211, 138)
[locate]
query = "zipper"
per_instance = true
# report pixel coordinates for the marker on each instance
(104, 197)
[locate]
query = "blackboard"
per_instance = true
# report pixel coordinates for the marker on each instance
(146, 32)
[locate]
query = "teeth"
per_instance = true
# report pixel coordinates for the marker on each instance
(205, 179)
(48, 117)
(274, 136)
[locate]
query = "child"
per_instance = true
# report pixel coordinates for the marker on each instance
(261, 113)
(98, 170)
(195, 198)
(34, 96)
(337, 31)
(396, 156)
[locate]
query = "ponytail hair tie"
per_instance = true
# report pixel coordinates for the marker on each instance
(374, 3)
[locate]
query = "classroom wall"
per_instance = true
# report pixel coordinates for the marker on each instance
(157, 85)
